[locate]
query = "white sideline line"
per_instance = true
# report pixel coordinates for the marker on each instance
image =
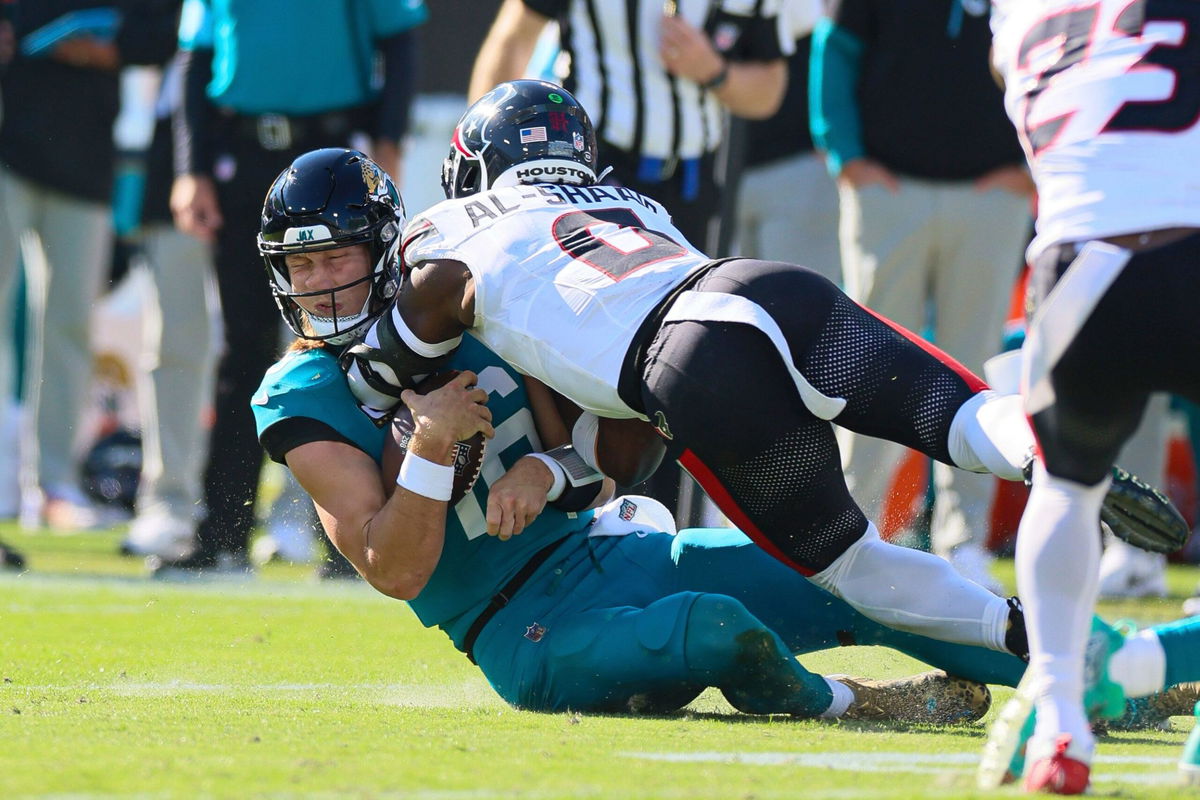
(167, 687)
(77, 608)
(256, 586)
(472, 693)
(162, 687)
(920, 763)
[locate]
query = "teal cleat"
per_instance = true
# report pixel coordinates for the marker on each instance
(1003, 759)
(1102, 697)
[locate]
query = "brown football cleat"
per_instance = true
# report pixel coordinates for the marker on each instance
(1154, 712)
(930, 697)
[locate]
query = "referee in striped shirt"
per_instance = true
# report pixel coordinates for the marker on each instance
(656, 78)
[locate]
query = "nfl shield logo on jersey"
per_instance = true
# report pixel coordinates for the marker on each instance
(628, 509)
(535, 632)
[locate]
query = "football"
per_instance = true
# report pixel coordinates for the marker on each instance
(468, 455)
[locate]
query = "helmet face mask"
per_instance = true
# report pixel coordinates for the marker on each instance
(333, 328)
(462, 171)
(521, 132)
(330, 199)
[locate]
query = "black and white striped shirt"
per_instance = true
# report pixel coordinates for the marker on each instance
(613, 67)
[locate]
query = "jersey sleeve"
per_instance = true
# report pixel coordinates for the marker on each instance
(833, 114)
(310, 385)
(751, 31)
(424, 239)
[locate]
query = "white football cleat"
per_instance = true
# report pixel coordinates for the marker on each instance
(160, 533)
(1126, 571)
(285, 540)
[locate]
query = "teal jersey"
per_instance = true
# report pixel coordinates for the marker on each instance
(473, 566)
(309, 383)
(293, 56)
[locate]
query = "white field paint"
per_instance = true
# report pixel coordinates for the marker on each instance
(467, 694)
(922, 763)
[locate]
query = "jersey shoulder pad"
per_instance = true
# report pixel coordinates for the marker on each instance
(309, 383)
(431, 235)
(300, 369)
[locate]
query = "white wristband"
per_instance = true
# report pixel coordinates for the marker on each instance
(560, 476)
(583, 438)
(426, 478)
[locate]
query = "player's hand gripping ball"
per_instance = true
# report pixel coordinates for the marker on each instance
(468, 454)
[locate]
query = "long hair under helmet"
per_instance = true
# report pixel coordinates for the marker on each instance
(327, 199)
(524, 131)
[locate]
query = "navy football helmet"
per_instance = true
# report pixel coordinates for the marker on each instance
(524, 131)
(327, 199)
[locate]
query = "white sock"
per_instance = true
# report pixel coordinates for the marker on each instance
(1058, 558)
(1140, 666)
(843, 696)
(916, 592)
(990, 433)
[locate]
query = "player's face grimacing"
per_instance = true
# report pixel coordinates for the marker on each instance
(321, 280)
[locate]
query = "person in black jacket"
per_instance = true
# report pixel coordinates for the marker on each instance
(61, 96)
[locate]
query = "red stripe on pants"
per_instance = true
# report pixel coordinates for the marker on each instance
(724, 500)
(973, 381)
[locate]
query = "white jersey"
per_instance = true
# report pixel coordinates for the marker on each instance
(563, 276)
(1106, 99)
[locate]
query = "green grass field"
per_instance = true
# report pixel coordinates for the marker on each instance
(114, 685)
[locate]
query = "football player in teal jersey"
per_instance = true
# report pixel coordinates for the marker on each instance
(611, 612)
(561, 606)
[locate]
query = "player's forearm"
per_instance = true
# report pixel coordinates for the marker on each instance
(754, 89)
(552, 427)
(496, 64)
(402, 544)
(402, 541)
(394, 542)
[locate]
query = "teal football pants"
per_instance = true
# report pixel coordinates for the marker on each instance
(647, 622)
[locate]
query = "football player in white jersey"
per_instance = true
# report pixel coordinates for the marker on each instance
(1105, 96)
(739, 365)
